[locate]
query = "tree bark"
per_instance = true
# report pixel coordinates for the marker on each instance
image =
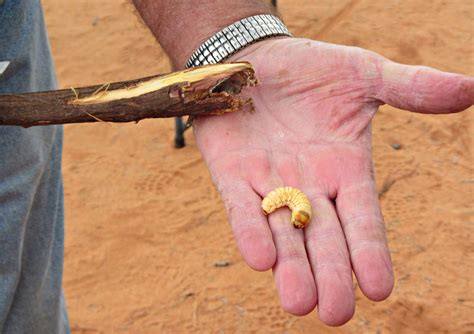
(205, 90)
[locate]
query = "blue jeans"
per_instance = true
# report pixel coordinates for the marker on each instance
(31, 194)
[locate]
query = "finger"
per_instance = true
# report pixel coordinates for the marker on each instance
(250, 227)
(329, 258)
(359, 211)
(424, 89)
(292, 272)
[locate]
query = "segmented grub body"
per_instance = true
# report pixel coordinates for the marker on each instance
(293, 198)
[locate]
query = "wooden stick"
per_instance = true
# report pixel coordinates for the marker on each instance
(205, 90)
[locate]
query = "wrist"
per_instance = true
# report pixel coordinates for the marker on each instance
(249, 53)
(182, 26)
(236, 37)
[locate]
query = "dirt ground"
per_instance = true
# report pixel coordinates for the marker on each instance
(145, 225)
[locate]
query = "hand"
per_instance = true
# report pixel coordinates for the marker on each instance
(311, 130)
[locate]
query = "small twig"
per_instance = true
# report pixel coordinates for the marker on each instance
(388, 183)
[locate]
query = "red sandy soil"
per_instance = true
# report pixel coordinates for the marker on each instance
(145, 225)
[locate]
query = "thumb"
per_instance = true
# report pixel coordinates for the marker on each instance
(425, 90)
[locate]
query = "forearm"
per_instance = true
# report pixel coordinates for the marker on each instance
(181, 26)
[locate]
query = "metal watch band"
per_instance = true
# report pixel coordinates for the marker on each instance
(235, 37)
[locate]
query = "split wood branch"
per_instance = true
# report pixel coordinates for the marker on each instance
(204, 90)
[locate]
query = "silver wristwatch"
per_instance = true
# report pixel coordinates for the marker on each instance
(235, 37)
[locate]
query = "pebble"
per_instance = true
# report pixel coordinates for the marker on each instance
(396, 146)
(222, 263)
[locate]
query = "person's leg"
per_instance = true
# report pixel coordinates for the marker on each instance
(31, 230)
(31, 196)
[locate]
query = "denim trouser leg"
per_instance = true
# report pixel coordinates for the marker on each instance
(31, 230)
(31, 194)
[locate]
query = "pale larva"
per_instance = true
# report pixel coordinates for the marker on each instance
(293, 198)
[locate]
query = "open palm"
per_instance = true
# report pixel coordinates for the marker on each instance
(311, 130)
